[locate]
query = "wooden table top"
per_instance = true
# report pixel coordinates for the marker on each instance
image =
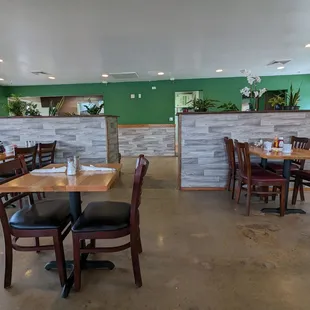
(296, 154)
(86, 181)
(4, 156)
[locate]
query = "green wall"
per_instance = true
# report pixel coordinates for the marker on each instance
(156, 106)
(3, 100)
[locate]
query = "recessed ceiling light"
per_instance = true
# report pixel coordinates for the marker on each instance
(51, 77)
(308, 45)
(1, 79)
(105, 75)
(160, 73)
(280, 68)
(219, 70)
(1, 60)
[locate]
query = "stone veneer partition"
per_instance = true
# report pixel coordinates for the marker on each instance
(93, 138)
(203, 163)
(150, 140)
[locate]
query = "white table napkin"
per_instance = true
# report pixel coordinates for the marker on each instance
(51, 170)
(93, 168)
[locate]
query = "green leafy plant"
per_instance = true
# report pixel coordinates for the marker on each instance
(203, 105)
(32, 110)
(294, 97)
(53, 111)
(229, 106)
(94, 109)
(277, 100)
(16, 106)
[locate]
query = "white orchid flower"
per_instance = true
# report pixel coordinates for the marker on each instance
(247, 72)
(262, 91)
(251, 79)
(256, 93)
(258, 79)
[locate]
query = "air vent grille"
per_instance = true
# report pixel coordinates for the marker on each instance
(124, 75)
(39, 73)
(279, 62)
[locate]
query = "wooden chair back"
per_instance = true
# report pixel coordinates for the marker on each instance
(46, 153)
(230, 152)
(300, 143)
(18, 168)
(139, 175)
(244, 160)
(29, 154)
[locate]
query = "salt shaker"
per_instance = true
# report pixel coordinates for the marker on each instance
(76, 160)
(71, 168)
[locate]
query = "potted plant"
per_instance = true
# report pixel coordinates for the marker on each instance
(277, 102)
(16, 106)
(53, 111)
(32, 110)
(94, 109)
(203, 105)
(229, 106)
(252, 91)
(294, 98)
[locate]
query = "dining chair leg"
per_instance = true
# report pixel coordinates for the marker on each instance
(43, 194)
(233, 186)
(274, 189)
(229, 177)
(39, 196)
(239, 191)
(135, 259)
(139, 242)
(37, 241)
(248, 200)
(8, 266)
(93, 243)
(77, 263)
(301, 192)
(60, 259)
(282, 200)
(295, 191)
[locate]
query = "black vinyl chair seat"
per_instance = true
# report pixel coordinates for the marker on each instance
(45, 214)
(104, 216)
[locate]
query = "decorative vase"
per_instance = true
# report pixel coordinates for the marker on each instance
(254, 104)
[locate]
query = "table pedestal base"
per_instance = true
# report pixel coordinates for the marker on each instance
(287, 211)
(85, 264)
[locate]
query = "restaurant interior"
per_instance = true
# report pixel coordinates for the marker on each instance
(155, 154)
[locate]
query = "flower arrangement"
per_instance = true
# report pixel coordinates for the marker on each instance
(252, 91)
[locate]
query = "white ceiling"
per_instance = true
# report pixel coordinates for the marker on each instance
(78, 40)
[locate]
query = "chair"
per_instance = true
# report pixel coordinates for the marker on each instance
(256, 179)
(46, 218)
(30, 155)
(302, 177)
(233, 165)
(46, 153)
(111, 220)
(297, 143)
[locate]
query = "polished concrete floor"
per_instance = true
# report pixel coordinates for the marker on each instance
(200, 253)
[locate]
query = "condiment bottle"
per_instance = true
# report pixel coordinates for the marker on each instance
(281, 142)
(71, 169)
(276, 142)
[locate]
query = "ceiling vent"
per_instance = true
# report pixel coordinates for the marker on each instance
(279, 62)
(39, 73)
(124, 75)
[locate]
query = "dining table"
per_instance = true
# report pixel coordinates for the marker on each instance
(74, 185)
(295, 154)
